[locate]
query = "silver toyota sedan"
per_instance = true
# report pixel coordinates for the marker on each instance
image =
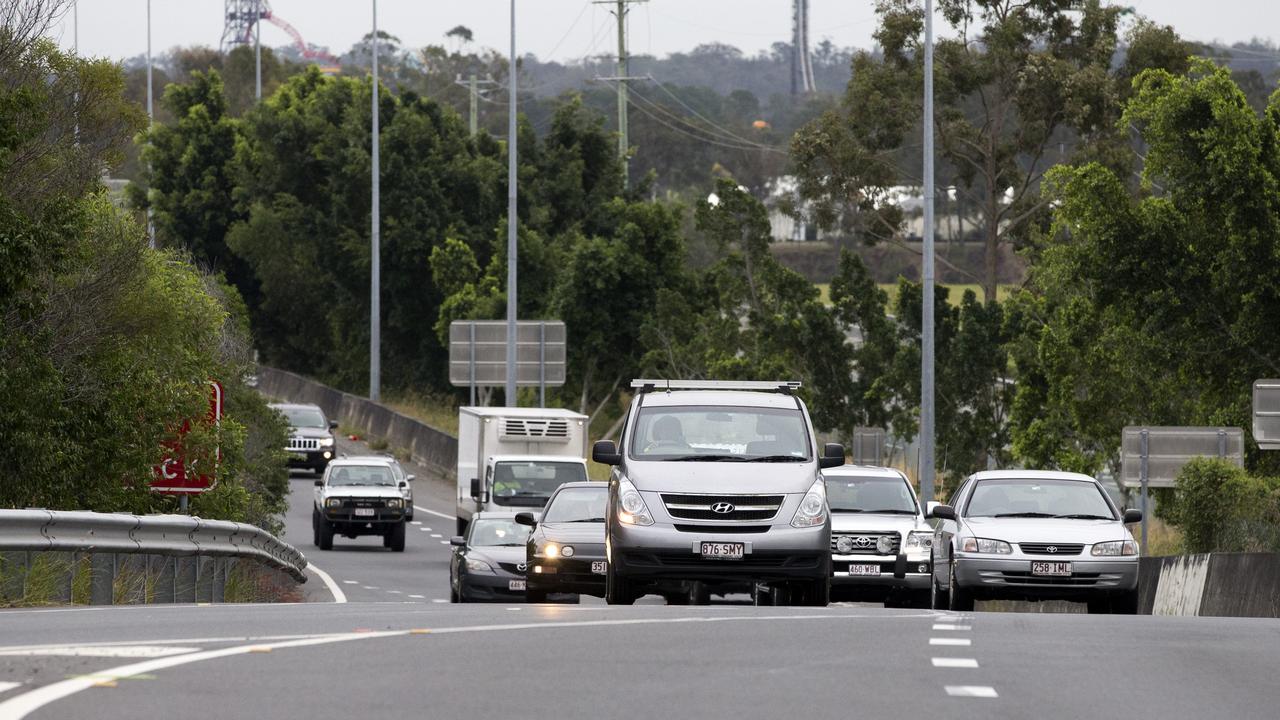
(1034, 535)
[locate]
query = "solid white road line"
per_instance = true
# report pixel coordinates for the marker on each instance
(976, 691)
(419, 508)
(100, 651)
(338, 596)
(957, 642)
(944, 626)
(7, 686)
(955, 662)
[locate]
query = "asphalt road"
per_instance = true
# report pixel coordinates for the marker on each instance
(394, 649)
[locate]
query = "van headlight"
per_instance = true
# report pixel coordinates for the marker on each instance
(1115, 548)
(631, 507)
(813, 508)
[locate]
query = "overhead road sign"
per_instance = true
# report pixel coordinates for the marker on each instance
(868, 445)
(478, 353)
(1266, 414)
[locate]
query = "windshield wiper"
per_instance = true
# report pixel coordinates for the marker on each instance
(778, 458)
(1024, 514)
(707, 458)
(1084, 516)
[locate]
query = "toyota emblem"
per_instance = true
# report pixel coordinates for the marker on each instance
(521, 567)
(863, 541)
(722, 508)
(1052, 549)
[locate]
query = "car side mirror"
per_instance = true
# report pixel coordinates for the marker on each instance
(319, 483)
(475, 488)
(458, 541)
(832, 455)
(526, 518)
(333, 424)
(606, 452)
(404, 485)
(1132, 516)
(410, 478)
(943, 512)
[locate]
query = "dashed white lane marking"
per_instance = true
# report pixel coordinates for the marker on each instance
(411, 522)
(117, 651)
(436, 600)
(945, 626)
(416, 597)
(370, 587)
(392, 592)
(339, 597)
(7, 686)
(419, 508)
(955, 663)
(426, 528)
(514, 608)
(974, 691)
(956, 642)
(422, 529)
(442, 542)
(357, 582)
(434, 535)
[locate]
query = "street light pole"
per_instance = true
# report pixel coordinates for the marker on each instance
(257, 50)
(151, 227)
(926, 469)
(375, 309)
(511, 217)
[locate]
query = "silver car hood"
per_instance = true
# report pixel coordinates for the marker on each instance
(1050, 530)
(869, 522)
(710, 478)
(363, 491)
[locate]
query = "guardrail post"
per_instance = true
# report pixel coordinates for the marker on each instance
(186, 574)
(102, 576)
(164, 579)
(205, 569)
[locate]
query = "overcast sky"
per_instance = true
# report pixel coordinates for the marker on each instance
(571, 29)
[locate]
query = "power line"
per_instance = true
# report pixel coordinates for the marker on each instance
(700, 116)
(706, 137)
(723, 137)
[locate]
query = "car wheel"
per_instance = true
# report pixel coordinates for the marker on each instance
(396, 537)
(325, 541)
(386, 540)
(315, 527)
(617, 591)
(699, 593)
(453, 595)
(534, 596)
(960, 600)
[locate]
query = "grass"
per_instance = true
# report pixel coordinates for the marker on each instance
(1162, 538)
(957, 292)
(441, 414)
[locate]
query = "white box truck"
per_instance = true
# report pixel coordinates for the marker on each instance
(512, 459)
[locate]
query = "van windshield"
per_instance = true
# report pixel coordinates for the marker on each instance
(721, 433)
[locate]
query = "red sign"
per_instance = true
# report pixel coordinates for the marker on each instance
(173, 475)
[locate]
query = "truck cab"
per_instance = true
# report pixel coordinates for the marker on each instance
(513, 459)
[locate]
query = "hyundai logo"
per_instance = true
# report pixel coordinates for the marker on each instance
(722, 508)
(521, 567)
(1052, 549)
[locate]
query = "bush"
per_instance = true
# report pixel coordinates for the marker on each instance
(1221, 508)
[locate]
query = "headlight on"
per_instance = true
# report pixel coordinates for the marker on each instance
(551, 550)
(919, 540)
(567, 551)
(1116, 548)
(986, 547)
(474, 565)
(326, 442)
(333, 502)
(813, 508)
(395, 504)
(631, 507)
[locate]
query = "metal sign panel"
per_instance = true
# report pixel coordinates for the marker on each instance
(868, 446)
(1266, 414)
(175, 475)
(478, 352)
(1169, 448)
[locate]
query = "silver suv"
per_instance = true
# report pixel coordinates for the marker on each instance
(880, 541)
(717, 485)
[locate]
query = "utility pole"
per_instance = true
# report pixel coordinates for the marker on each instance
(473, 86)
(375, 304)
(927, 350)
(622, 78)
(512, 220)
(257, 49)
(151, 227)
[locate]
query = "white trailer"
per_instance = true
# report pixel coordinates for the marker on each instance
(514, 458)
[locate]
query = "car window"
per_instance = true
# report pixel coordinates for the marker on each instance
(497, 532)
(304, 417)
(355, 475)
(530, 483)
(732, 432)
(1016, 496)
(580, 504)
(869, 494)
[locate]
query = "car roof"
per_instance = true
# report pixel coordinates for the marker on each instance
(863, 471)
(364, 460)
(1030, 475)
(742, 398)
(295, 406)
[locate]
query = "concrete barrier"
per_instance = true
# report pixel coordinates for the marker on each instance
(1181, 585)
(429, 446)
(1242, 585)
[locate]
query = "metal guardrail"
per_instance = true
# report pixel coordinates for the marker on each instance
(177, 548)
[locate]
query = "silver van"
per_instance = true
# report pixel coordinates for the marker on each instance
(717, 485)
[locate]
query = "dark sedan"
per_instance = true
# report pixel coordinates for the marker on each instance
(565, 551)
(488, 562)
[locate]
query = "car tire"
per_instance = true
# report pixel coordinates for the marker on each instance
(395, 538)
(938, 599)
(699, 593)
(617, 591)
(534, 596)
(453, 596)
(959, 600)
(325, 539)
(315, 527)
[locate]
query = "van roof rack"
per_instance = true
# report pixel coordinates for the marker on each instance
(786, 387)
